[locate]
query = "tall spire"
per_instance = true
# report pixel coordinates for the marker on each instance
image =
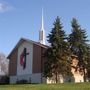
(42, 27)
(42, 31)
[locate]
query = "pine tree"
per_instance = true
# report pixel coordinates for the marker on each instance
(57, 54)
(78, 44)
(88, 61)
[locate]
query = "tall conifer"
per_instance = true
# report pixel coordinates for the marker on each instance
(78, 44)
(57, 54)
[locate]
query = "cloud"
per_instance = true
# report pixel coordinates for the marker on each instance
(4, 7)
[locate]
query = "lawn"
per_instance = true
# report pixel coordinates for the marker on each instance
(66, 86)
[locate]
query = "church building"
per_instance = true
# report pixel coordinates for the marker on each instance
(26, 61)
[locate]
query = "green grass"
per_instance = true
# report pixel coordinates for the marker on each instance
(66, 86)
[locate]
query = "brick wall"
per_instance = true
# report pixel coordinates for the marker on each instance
(13, 63)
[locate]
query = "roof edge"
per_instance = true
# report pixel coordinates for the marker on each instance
(21, 40)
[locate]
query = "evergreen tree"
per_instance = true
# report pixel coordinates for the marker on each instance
(57, 54)
(88, 61)
(78, 44)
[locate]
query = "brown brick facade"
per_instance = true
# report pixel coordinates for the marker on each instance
(13, 63)
(36, 59)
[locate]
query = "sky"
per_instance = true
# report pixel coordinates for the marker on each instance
(22, 18)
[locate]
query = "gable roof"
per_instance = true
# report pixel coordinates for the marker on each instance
(27, 40)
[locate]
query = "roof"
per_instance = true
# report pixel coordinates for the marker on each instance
(27, 40)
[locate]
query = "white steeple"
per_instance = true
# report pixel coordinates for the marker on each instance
(42, 27)
(42, 31)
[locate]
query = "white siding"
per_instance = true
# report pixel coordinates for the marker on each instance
(36, 78)
(13, 79)
(31, 78)
(28, 69)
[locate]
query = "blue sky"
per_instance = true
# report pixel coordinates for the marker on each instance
(22, 18)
